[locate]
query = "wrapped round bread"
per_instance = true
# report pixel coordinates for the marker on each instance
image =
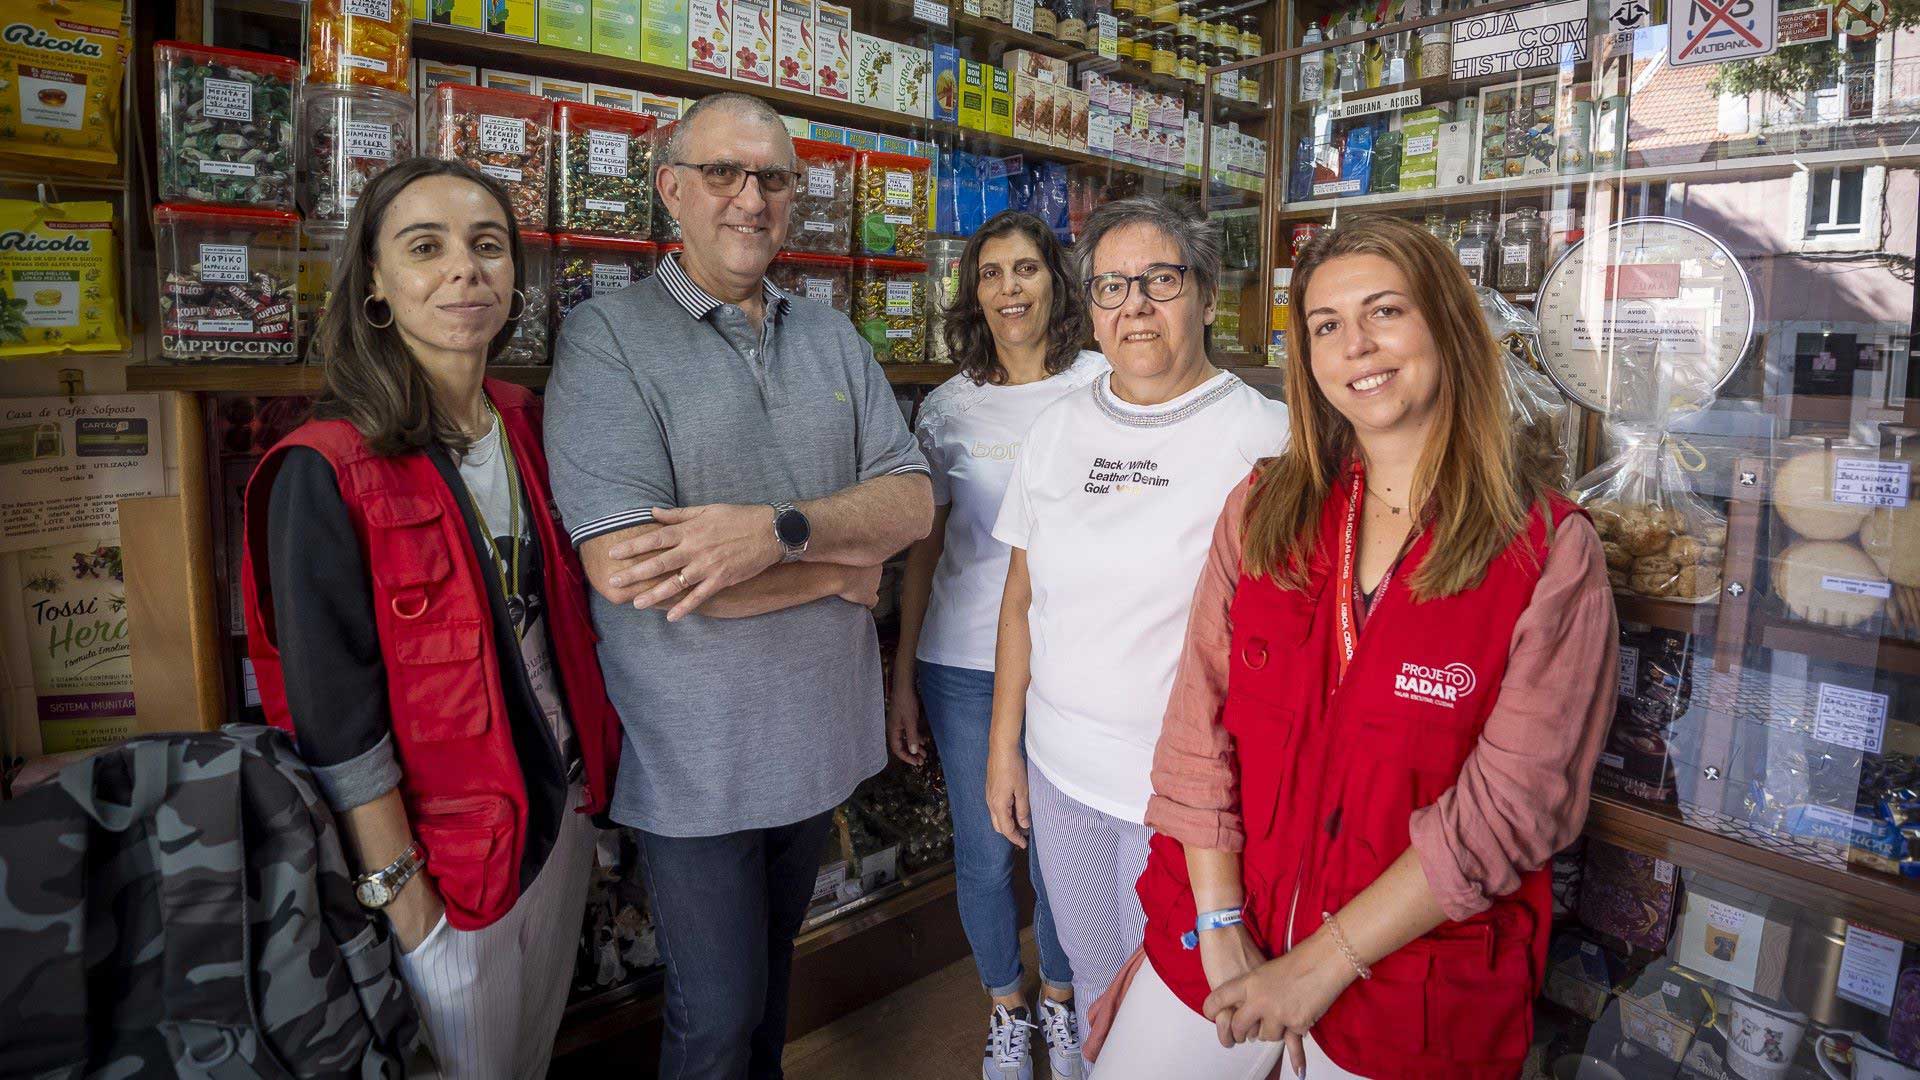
(1891, 536)
(1655, 564)
(1618, 558)
(1684, 550)
(1644, 531)
(1653, 584)
(1803, 572)
(1803, 497)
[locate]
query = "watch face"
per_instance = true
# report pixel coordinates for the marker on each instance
(374, 894)
(792, 528)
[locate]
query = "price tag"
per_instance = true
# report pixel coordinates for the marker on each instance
(1513, 253)
(933, 12)
(1869, 965)
(503, 135)
(370, 9)
(1870, 482)
(899, 188)
(223, 262)
(820, 182)
(368, 141)
(1671, 990)
(223, 326)
(1613, 761)
(1856, 586)
(228, 168)
(611, 277)
(1472, 256)
(818, 288)
(1663, 871)
(1726, 916)
(1849, 717)
(1023, 16)
(501, 172)
(899, 297)
(607, 153)
(1629, 669)
(970, 8)
(1109, 36)
(365, 63)
(607, 206)
(227, 99)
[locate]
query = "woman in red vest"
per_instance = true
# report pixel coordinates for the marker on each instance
(1397, 677)
(418, 621)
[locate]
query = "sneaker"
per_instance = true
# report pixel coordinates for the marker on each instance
(1009, 1053)
(1060, 1027)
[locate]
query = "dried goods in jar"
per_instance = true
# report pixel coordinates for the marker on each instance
(588, 266)
(225, 121)
(891, 204)
(603, 170)
(59, 278)
(61, 72)
(360, 42)
(826, 278)
(890, 308)
(822, 216)
(228, 283)
(501, 133)
(532, 327)
(351, 134)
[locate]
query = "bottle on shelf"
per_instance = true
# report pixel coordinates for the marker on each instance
(1312, 74)
(1523, 251)
(1475, 248)
(1436, 225)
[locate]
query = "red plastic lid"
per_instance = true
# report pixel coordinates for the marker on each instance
(897, 266)
(170, 212)
(611, 243)
(672, 246)
(814, 148)
(264, 63)
(504, 99)
(893, 161)
(569, 113)
(529, 236)
(811, 258)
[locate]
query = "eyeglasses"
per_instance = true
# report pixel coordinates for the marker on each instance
(1161, 281)
(725, 179)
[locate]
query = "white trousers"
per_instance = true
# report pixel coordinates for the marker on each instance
(1155, 1036)
(491, 999)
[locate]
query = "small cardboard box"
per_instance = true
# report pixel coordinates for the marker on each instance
(946, 83)
(895, 144)
(796, 125)
(826, 133)
(563, 89)
(913, 80)
(862, 140)
(1044, 100)
(1454, 157)
(710, 38)
(566, 24)
(1077, 131)
(513, 18)
(1045, 68)
(973, 95)
(752, 53)
(664, 109)
(663, 33)
(1420, 160)
(999, 101)
(616, 28)
(793, 47)
(428, 74)
(465, 14)
(510, 80)
(833, 47)
(873, 66)
(613, 97)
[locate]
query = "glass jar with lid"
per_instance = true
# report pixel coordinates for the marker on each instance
(1474, 249)
(1164, 60)
(1436, 225)
(1186, 56)
(1523, 251)
(1250, 43)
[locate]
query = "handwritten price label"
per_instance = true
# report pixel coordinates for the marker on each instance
(1868, 482)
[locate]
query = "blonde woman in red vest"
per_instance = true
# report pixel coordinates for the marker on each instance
(1395, 684)
(417, 619)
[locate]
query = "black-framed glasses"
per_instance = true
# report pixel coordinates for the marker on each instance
(1161, 281)
(725, 179)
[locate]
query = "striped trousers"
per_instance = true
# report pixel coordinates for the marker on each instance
(1091, 862)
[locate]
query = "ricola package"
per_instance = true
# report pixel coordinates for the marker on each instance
(710, 37)
(794, 51)
(60, 79)
(59, 278)
(228, 279)
(752, 56)
(833, 50)
(225, 125)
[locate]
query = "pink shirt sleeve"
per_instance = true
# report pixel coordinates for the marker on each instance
(1196, 793)
(1522, 794)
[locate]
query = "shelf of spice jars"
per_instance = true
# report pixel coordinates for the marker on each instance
(1857, 893)
(270, 379)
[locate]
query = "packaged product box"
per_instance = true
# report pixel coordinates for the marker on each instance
(946, 83)
(510, 80)
(1453, 154)
(973, 95)
(664, 109)
(895, 144)
(710, 38)
(752, 55)
(1063, 123)
(1024, 107)
(513, 18)
(616, 28)
(833, 49)
(555, 89)
(913, 80)
(873, 63)
(1356, 161)
(796, 125)
(465, 14)
(1100, 132)
(566, 24)
(793, 46)
(428, 74)
(1078, 129)
(1044, 100)
(663, 32)
(827, 133)
(999, 101)
(419, 10)
(862, 140)
(1045, 68)
(1420, 158)
(1095, 84)
(60, 284)
(613, 97)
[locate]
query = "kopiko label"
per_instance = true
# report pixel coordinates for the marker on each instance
(819, 182)
(228, 99)
(899, 188)
(607, 153)
(370, 9)
(373, 142)
(503, 135)
(610, 277)
(899, 297)
(818, 288)
(223, 262)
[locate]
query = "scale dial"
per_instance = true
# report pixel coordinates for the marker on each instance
(1650, 317)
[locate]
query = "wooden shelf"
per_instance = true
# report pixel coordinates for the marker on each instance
(1667, 614)
(284, 379)
(1786, 634)
(1878, 900)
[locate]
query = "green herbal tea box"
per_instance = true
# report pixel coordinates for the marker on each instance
(616, 28)
(973, 95)
(465, 14)
(663, 32)
(1420, 160)
(567, 24)
(512, 18)
(913, 80)
(999, 118)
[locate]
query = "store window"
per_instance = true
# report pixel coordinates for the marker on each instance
(1833, 201)
(1838, 208)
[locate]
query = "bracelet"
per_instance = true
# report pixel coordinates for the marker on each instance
(1346, 950)
(1210, 920)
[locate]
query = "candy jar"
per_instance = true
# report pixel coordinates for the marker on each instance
(225, 125)
(360, 42)
(350, 135)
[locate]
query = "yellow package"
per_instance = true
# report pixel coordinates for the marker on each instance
(61, 67)
(59, 278)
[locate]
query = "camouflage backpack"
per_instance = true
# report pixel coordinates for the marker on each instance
(181, 905)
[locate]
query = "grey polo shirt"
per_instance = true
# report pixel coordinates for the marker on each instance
(663, 396)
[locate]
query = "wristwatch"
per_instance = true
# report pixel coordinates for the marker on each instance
(792, 530)
(377, 890)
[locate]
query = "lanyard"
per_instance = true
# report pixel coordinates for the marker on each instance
(1345, 584)
(509, 574)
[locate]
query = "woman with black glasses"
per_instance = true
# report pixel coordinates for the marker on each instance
(1108, 516)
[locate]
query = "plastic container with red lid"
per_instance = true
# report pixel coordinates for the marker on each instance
(506, 135)
(360, 43)
(827, 278)
(228, 281)
(822, 217)
(602, 170)
(225, 121)
(890, 204)
(350, 135)
(588, 266)
(890, 308)
(532, 337)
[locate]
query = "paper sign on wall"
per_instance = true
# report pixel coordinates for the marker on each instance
(1849, 717)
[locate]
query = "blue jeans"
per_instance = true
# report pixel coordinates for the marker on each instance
(958, 705)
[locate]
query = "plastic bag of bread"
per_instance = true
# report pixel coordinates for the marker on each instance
(1661, 538)
(1539, 409)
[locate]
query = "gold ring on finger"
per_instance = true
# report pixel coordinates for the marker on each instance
(681, 577)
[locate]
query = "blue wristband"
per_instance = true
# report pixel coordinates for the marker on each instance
(1209, 920)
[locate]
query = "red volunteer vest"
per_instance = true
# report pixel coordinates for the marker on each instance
(460, 776)
(1331, 769)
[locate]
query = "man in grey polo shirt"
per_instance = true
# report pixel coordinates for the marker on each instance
(733, 468)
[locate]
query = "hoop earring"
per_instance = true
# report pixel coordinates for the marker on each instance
(515, 316)
(369, 318)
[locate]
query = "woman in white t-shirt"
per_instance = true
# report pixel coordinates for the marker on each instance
(1109, 515)
(1015, 330)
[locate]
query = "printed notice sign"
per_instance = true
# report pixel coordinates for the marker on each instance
(1629, 669)
(1869, 965)
(1405, 99)
(1849, 717)
(66, 464)
(1023, 16)
(1715, 31)
(932, 11)
(1871, 482)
